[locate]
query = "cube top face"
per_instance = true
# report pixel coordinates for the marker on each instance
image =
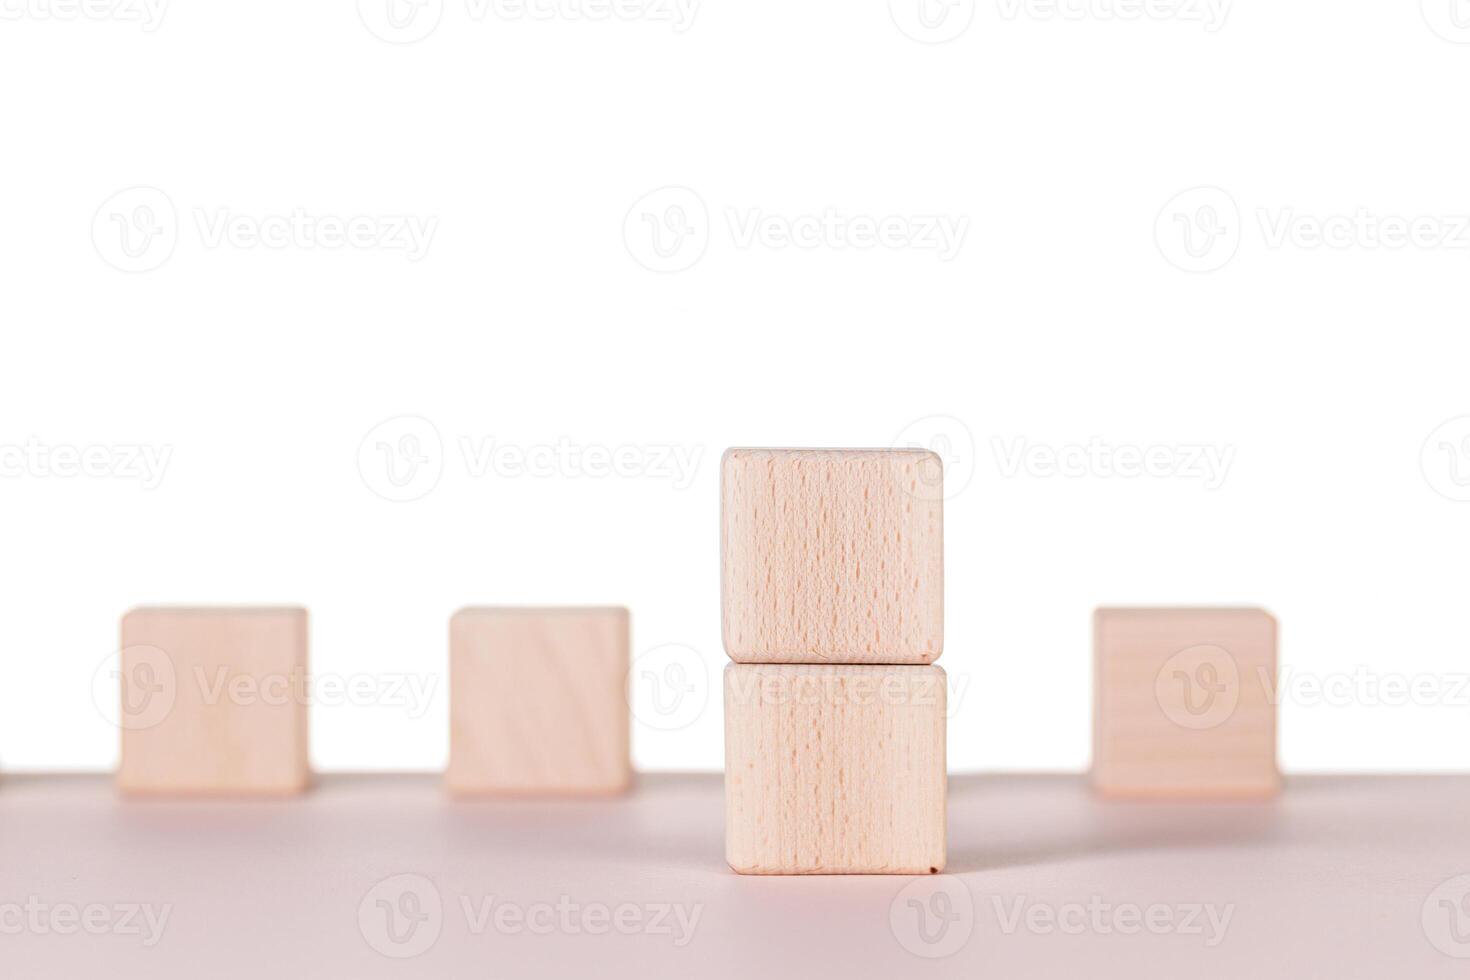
(214, 701)
(1184, 703)
(832, 556)
(834, 769)
(538, 702)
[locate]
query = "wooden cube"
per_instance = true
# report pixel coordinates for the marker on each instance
(834, 769)
(538, 702)
(1184, 703)
(214, 702)
(832, 555)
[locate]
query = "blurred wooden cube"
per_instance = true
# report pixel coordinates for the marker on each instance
(214, 702)
(1185, 703)
(832, 555)
(538, 702)
(834, 769)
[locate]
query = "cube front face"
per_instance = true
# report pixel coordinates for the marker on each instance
(834, 769)
(214, 702)
(832, 556)
(538, 702)
(1184, 704)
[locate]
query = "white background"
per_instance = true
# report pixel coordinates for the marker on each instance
(1068, 313)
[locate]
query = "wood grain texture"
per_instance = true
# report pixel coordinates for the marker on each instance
(832, 555)
(834, 769)
(1184, 703)
(538, 702)
(214, 702)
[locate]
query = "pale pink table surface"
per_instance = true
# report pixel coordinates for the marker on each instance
(1336, 879)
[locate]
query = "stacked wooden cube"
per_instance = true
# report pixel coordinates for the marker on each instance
(833, 612)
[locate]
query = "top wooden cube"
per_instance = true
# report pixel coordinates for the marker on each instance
(832, 555)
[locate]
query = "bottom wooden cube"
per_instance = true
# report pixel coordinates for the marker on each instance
(1184, 703)
(214, 702)
(538, 701)
(834, 769)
